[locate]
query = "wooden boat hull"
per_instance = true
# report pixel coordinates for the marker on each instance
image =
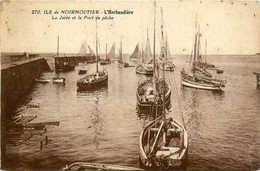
(91, 85)
(145, 106)
(105, 62)
(141, 70)
(198, 85)
(172, 162)
(97, 166)
(82, 71)
(42, 81)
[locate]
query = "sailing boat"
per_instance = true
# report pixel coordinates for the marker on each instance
(93, 58)
(97, 79)
(200, 78)
(62, 64)
(209, 66)
(149, 92)
(107, 60)
(146, 68)
(122, 62)
(164, 142)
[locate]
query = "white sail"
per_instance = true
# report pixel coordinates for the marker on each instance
(112, 53)
(136, 53)
(83, 49)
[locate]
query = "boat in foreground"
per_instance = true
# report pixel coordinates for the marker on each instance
(164, 145)
(96, 166)
(94, 80)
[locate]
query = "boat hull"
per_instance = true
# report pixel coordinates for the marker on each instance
(91, 85)
(198, 85)
(141, 70)
(145, 106)
(171, 163)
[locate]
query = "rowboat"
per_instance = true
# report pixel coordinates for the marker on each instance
(58, 80)
(164, 145)
(82, 71)
(43, 80)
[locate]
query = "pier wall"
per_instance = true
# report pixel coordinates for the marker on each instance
(16, 79)
(76, 59)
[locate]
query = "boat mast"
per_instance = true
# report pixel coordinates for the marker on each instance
(154, 39)
(96, 48)
(163, 59)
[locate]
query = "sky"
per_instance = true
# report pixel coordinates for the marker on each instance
(230, 27)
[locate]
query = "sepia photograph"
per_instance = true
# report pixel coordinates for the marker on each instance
(130, 85)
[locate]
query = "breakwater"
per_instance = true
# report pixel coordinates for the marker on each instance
(16, 79)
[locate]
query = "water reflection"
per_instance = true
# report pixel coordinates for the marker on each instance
(96, 120)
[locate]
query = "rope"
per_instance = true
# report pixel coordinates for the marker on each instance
(176, 90)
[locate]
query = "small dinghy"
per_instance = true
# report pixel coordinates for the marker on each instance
(82, 71)
(58, 80)
(164, 145)
(43, 80)
(97, 166)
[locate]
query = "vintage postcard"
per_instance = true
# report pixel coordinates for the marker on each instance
(130, 85)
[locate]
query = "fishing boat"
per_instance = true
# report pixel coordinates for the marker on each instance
(163, 143)
(42, 80)
(82, 71)
(146, 66)
(149, 92)
(121, 61)
(58, 80)
(96, 166)
(94, 80)
(199, 78)
(63, 64)
(107, 60)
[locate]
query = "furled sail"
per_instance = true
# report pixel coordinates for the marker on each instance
(136, 53)
(112, 53)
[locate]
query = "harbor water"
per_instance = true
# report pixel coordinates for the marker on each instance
(102, 125)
